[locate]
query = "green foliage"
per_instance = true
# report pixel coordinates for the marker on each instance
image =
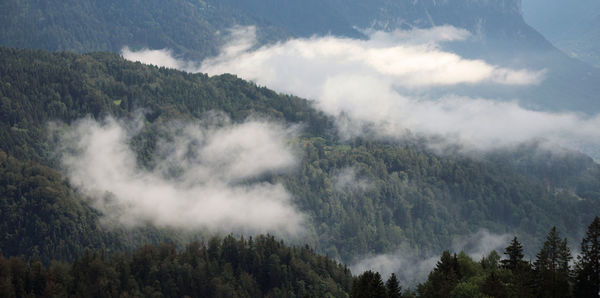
(368, 284)
(515, 256)
(256, 267)
(44, 219)
(189, 28)
(458, 276)
(41, 215)
(443, 279)
(552, 267)
(392, 287)
(587, 267)
(521, 281)
(399, 193)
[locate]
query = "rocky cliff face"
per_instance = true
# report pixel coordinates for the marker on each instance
(344, 17)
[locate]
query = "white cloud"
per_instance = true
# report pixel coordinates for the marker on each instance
(480, 244)
(346, 179)
(372, 83)
(162, 58)
(203, 179)
(420, 36)
(409, 267)
(403, 56)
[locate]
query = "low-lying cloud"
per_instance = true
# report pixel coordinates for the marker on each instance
(409, 267)
(346, 179)
(412, 268)
(386, 83)
(205, 177)
(480, 244)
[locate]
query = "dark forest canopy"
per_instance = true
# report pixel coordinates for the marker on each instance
(228, 267)
(415, 197)
(264, 267)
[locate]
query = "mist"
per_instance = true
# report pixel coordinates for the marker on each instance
(206, 176)
(413, 267)
(395, 83)
(346, 179)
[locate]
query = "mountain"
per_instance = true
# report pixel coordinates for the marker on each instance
(194, 30)
(573, 28)
(500, 35)
(155, 132)
(187, 27)
(363, 196)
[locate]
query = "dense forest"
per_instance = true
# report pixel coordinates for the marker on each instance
(188, 27)
(265, 267)
(411, 195)
(358, 197)
(228, 267)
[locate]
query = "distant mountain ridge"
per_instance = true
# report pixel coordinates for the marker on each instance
(574, 28)
(500, 35)
(195, 30)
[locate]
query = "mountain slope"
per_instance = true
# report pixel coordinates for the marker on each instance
(500, 35)
(574, 28)
(196, 29)
(187, 27)
(364, 196)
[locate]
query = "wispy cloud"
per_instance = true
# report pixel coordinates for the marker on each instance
(361, 83)
(164, 58)
(206, 177)
(346, 179)
(408, 58)
(412, 267)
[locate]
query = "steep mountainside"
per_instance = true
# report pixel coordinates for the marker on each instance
(187, 27)
(573, 28)
(398, 194)
(195, 29)
(500, 35)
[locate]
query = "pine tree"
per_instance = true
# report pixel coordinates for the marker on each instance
(552, 267)
(393, 287)
(515, 255)
(492, 286)
(368, 285)
(443, 279)
(587, 267)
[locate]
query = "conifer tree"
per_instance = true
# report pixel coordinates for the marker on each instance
(443, 279)
(393, 287)
(522, 279)
(368, 285)
(493, 287)
(552, 267)
(587, 267)
(514, 253)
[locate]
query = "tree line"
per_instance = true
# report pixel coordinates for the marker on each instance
(549, 275)
(258, 266)
(262, 266)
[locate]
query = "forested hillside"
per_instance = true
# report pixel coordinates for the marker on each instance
(188, 27)
(264, 267)
(362, 196)
(229, 267)
(195, 30)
